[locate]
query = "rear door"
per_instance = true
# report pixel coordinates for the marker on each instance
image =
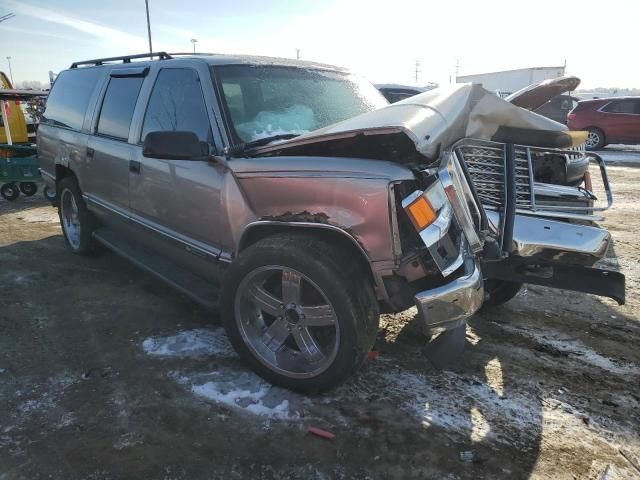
(108, 150)
(180, 199)
(622, 120)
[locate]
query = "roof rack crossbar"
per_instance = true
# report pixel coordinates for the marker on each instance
(123, 59)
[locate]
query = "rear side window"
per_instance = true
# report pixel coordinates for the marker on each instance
(117, 107)
(623, 106)
(177, 104)
(69, 97)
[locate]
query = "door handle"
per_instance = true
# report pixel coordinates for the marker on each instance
(134, 166)
(90, 152)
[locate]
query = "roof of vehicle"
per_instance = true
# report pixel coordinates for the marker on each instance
(397, 86)
(608, 99)
(210, 58)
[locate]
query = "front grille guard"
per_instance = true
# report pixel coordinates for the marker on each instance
(501, 178)
(486, 164)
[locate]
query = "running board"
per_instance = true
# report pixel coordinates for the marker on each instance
(193, 286)
(596, 281)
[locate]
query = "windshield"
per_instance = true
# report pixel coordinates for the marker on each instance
(264, 101)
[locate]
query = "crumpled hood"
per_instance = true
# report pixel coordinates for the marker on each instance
(436, 119)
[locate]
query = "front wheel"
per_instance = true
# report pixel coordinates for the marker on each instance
(9, 191)
(299, 312)
(499, 292)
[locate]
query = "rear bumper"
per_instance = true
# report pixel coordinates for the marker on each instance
(448, 306)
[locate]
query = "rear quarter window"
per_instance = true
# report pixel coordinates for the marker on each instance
(69, 97)
(118, 106)
(622, 106)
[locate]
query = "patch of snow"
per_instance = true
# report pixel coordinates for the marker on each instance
(44, 403)
(128, 440)
(190, 343)
(249, 393)
(575, 349)
(463, 404)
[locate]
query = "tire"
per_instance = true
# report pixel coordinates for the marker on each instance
(9, 191)
(76, 221)
(318, 315)
(595, 140)
(28, 188)
(499, 292)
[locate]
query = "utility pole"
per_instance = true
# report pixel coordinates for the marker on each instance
(194, 41)
(417, 70)
(7, 17)
(10, 72)
(297, 54)
(146, 3)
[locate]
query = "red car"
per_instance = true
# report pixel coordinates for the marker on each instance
(608, 120)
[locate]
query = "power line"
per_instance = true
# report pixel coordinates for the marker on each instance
(7, 17)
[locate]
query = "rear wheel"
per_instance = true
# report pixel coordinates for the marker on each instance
(299, 312)
(28, 188)
(76, 220)
(595, 139)
(9, 191)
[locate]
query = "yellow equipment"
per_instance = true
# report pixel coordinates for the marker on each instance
(14, 115)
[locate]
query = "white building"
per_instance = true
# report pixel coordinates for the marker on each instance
(509, 81)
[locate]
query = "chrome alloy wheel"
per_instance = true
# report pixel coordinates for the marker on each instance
(70, 218)
(287, 321)
(593, 139)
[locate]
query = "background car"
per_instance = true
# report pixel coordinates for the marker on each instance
(608, 120)
(394, 92)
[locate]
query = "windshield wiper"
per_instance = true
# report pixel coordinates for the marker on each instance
(266, 140)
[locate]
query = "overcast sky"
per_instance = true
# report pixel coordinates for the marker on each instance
(381, 40)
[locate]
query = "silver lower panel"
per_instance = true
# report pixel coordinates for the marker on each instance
(550, 240)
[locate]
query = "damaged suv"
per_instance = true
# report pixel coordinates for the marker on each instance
(292, 197)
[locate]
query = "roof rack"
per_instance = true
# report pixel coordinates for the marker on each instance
(123, 59)
(199, 54)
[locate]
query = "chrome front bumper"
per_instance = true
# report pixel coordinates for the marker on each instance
(448, 306)
(544, 239)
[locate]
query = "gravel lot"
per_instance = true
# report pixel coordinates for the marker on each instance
(105, 373)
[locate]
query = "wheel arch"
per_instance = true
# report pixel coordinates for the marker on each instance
(62, 171)
(333, 235)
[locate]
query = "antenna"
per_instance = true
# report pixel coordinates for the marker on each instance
(417, 69)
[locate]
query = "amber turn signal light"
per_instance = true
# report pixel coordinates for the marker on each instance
(421, 213)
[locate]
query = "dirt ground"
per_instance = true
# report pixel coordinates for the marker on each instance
(105, 373)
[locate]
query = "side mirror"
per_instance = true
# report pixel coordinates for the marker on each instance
(172, 145)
